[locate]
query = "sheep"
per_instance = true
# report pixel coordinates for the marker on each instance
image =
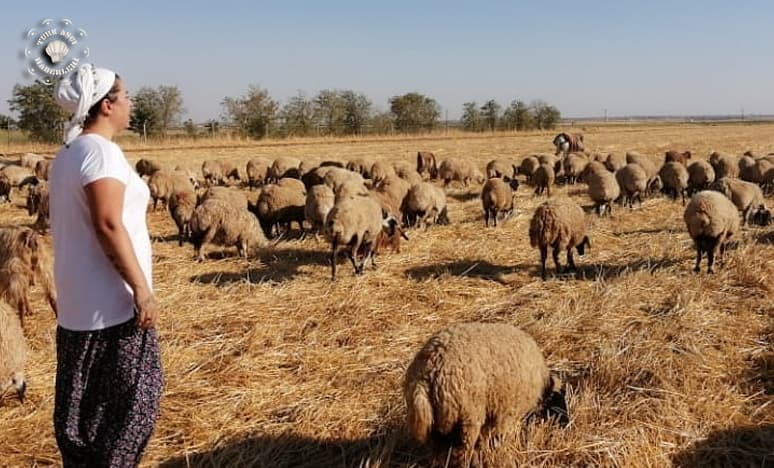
(615, 162)
(603, 190)
(147, 167)
(220, 222)
(330, 164)
(497, 197)
(257, 170)
(395, 190)
(574, 165)
(568, 143)
(712, 219)
(229, 195)
(757, 173)
(360, 166)
(380, 170)
(285, 166)
(350, 189)
(500, 168)
(674, 176)
(13, 354)
(38, 204)
(217, 172)
(561, 225)
(406, 171)
(336, 177)
(23, 261)
(474, 383)
(43, 169)
(17, 175)
(633, 182)
(356, 224)
(554, 161)
(426, 163)
(29, 160)
(700, 175)
(677, 156)
(543, 179)
(319, 202)
(747, 170)
(725, 165)
(181, 205)
(460, 170)
(316, 176)
(746, 196)
(5, 188)
(425, 202)
(164, 183)
(280, 203)
(528, 166)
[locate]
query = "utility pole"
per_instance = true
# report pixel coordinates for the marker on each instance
(605, 115)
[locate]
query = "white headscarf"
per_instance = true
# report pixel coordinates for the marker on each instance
(79, 91)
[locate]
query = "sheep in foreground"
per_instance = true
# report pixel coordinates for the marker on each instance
(319, 202)
(425, 203)
(497, 197)
(426, 164)
(475, 383)
(543, 179)
(712, 220)
(181, 206)
(280, 204)
(674, 176)
(162, 184)
(561, 225)
(13, 354)
(217, 221)
(633, 182)
(355, 223)
(147, 167)
(258, 171)
(615, 162)
(746, 196)
(460, 170)
(700, 176)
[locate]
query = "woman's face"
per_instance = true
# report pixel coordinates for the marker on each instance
(121, 108)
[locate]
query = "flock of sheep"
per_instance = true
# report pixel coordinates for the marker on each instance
(473, 383)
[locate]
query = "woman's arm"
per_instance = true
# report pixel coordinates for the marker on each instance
(106, 199)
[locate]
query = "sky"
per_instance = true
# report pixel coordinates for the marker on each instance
(630, 58)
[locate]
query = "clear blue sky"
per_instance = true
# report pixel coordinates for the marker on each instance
(658, 57)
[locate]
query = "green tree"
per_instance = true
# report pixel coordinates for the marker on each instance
(254, 113)
(329, 111)
(490, 113)
(357, 111)
(190, 128)
(39, 114)
(297, 116)
(414, 112)
(6, 122)
(381, 123)
(517, 116)
(546, 116)
(471, 117)
(156, 110)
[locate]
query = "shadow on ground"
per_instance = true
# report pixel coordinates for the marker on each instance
(738, 446)
(276, 265)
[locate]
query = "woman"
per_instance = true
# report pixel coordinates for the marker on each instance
(108, 378)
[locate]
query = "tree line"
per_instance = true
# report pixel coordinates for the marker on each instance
(255, 114)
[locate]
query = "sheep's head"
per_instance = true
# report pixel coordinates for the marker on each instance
(391, 227)
(513, 183)
(553, 402)
(585, 244)
(762, 216)
(18, 382)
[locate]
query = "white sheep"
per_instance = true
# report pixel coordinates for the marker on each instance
(258, 172)
(319, 202)
(712, 220)
(280, 204)
(285, 166)
(561, 225)
(474, 383)
(163, 183)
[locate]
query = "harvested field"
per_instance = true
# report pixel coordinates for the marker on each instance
(269, 363)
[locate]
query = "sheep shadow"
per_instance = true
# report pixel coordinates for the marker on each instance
(739, 446)
(595, 271)
(277, 265)
(388, 446)
(765, 238)
(167, 238)
(470, 268)
(761, 372)
(465, 196)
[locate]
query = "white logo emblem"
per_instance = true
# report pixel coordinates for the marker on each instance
(54, 49)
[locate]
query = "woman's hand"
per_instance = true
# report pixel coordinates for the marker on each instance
(147, 310)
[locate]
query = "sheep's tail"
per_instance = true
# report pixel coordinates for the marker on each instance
(539, 228)
(420, 411)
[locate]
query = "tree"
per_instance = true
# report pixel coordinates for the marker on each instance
(39, 114)
(382, 123)
(471, 117)
(156, 110)
(490, 113)
(297, 116)
(190, 128)
(6, 122)
(253, 113)
(414, 112)
(329, 111)
(546, 116)
(517, 116)
(357, 110)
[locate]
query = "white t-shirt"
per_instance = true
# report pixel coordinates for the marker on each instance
(91, 295)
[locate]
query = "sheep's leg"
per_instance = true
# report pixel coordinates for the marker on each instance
(697, 268)
(486, 217)
(206, 238)
(570, 260)
(355, 246)
(543, 257)
(555, 255)
(746, 215)
(711, 259)
(333, 259)
(469, 434)
(494, 215)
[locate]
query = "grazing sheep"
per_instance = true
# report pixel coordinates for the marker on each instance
(316, 176)
(423, 203)
(700, 175)
(543, 179)
(13, 354)
(461, 170)
(43, 169)
(380, 170)
(30, 160)
(574, 164)
(360, 166)
(350, 189)
(725, 165)
(406, 171)
(561, 225)
(568, 143)
(319, 202)
(181, 205)
(217, 221)
(38, 204)
(226, 194)
(393, 191)
(5, 187)
(426, 163)
(500, 168)
(330, 164)
(280, 204)
(712, 219)
(23, 262)
(336, 177)
(674, 176)
(633, 182)
(474, 383)
(355, 223)
(147, 167)
(218, 172)
(285, 166)
(497, 197)
(17, 175)
(603, 189)
(164, 183)
(258, 171)
(528, 166)
(677, 156)
(746, 196)
(615, 162)
(747, 171)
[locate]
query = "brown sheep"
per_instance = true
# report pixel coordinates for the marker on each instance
(285, 166)
(633, 182)
(543, 179)
(217, 172)
(147, 167)
(712, 220)
(500, 168)
(38, 204)
(497, 197)
(222, 223)
(677, 156)
(280, 204)
(162, 184)
(426, 163)
(381, 170)
(528, 166)
(43, 169)
(258, 171)
(725, 165)
(561, 225)
(425, 203)
(700, 175)
(674, 176)
(182, 204)
(5, 188)
(461, 170)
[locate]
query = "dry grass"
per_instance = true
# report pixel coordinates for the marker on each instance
(268, 363)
